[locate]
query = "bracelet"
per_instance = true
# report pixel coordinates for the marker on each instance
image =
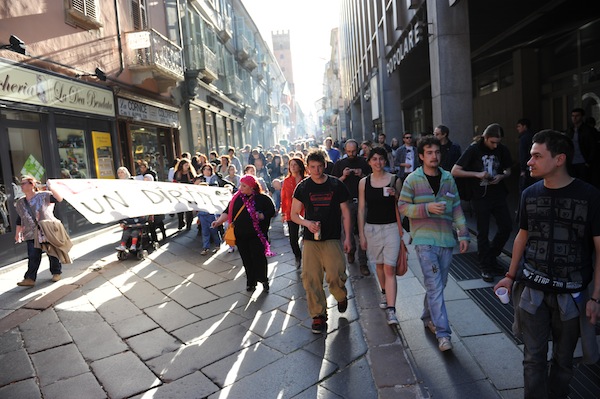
(510, 276)
(595, 300)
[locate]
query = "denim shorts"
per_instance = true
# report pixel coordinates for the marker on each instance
(383, 243)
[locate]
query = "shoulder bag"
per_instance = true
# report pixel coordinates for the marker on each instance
(229, 233)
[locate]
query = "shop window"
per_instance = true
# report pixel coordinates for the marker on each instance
(145, 145)
(4, 194)
(83, 13)
(495, 79)
(72, 151)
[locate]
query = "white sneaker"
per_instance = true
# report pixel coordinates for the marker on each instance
(132, 248)
(121, 248)
(383, 303)
(390, 315)
(444, 344)
(286, 230)
(230, 250)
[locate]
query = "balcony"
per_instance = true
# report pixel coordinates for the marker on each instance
(226, 30)
(234, 89)
(151, 55)
(203, 60)
(243, 50)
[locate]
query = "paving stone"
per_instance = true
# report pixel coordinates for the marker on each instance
(205, 328)
(22, 389)
(199, 354)
(342, 346)
(96, 341)
(11, 341)
(46, 337)
(318, 392)
(143, 294)
(79, 316)
(58, 364)
(410, 307)
(240, 364)
(401, 392)
(217, 266)
(124, 375)
(153, 343)
(476, 389)
(354, 381)
(205, 278)
(297, 308)
(417, 336)
(75, 299)
(193, 386)
(220, 306)
(375, 328)
(500, 359)
(51, 298)
(261, 302)
(445, 369)
(16, 366)
(230, 287)
(159, 277)
(390, 367)
(134, 325)
(468, 319)
(78, 387)
(117, 309)
(171, 315)
(40, 321)
(286, 377)
(270, 323)
(189, 295)
(292, 339)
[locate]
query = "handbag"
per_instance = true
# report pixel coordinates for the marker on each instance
(402, 263)
(229, 233)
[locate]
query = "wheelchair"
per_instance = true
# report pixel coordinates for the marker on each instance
(145, 243)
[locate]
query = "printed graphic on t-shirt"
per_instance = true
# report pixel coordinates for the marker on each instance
(491, 164)
(557, 231)
(321, 200)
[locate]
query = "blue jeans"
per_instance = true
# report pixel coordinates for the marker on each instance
(277, 199)
(34, 256)
(435, 264)
(207, 232)
(536, 329)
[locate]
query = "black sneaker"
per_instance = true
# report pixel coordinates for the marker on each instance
(343, 305)
(319, 324)
(487, 277)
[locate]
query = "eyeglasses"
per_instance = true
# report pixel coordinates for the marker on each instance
(407, 137)
(25, 182)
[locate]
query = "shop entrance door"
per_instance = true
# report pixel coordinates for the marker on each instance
(20, 153)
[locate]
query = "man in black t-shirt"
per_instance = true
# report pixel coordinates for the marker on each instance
(350, 170)
(324, 200)
(553, 264)
(487, 163)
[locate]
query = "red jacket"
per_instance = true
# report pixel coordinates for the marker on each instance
(287, 194)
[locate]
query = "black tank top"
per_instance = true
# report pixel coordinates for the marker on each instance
(380, 209)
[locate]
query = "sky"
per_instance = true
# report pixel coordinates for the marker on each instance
(310, 23)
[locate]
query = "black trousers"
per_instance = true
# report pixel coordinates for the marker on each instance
(252, 252)
(294, 230)
(484, 209)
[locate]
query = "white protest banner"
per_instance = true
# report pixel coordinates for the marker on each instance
(106, 201)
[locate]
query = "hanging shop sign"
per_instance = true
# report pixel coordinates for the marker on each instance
(29, 86)
(407, 42)
(148, 113)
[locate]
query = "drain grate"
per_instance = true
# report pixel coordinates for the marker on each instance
(464, 267)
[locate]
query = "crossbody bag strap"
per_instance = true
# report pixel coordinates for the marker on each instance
(30, 211)
(238, 214)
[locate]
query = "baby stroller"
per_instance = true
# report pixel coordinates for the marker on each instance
(136, 239)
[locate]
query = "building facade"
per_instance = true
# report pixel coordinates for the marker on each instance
(108, 83)
(411, 65)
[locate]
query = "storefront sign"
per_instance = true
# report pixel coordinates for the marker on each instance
(108, 201)
(147, 112)
(408, 41)
(138, 40)
(28, 86)
(214, 102)
(103, 155)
